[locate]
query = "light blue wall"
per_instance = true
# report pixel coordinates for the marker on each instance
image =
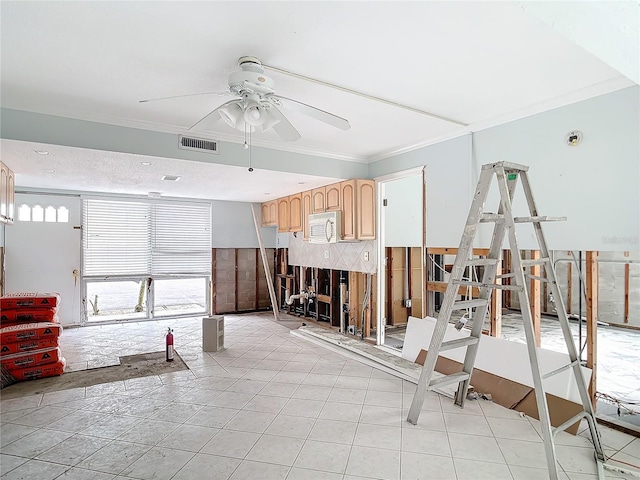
(448, 174)
(48, 129)
(233, 226)
(596, 184)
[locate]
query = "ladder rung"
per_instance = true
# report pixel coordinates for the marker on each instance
(449, 379)
(458, 343)
(506, 275)
(535, 261)
(497, 286)
(507, 166)
(561, 369)
(535, 277)
(478, 302)
(481, 262)
(539, 218)
(491, 217)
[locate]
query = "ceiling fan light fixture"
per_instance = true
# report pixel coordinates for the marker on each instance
(232, 114)
(254, 114)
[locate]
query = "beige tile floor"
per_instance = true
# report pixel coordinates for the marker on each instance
(270, 406)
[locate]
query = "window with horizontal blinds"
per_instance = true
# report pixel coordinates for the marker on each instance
(137, 238)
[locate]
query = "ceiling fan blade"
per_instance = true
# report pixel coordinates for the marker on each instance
(187, 95)
(313, 112)
(283, 128)
(213, 113)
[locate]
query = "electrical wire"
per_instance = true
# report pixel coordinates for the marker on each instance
(621, 404)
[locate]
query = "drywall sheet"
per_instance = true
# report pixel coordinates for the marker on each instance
(497, 356)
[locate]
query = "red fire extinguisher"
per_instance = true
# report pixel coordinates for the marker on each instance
(169, 342)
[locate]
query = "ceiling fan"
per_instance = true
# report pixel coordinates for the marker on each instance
(258, 106)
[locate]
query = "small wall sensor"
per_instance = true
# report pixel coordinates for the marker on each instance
(574, 138)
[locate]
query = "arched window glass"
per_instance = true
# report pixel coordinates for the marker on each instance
(37, 213)
(63, 214)
(24, 213)
(50, 214)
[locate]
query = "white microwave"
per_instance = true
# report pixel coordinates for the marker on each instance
(325, 227)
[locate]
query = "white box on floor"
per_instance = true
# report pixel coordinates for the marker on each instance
(213, 333)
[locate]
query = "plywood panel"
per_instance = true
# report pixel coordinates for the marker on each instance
(225, 280)
(246, 275)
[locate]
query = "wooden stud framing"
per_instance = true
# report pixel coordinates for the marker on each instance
(367, 315)
(591, 288)
(506, 268)
(389, 285)
(534, 296)
(626, 290)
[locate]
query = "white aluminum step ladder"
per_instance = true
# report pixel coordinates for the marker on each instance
(507, 175)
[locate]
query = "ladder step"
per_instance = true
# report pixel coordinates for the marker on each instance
(507, 166)
(538, 219)
(561, 369)
(497, 286)
(458, 343)
(463, 305)
(535, 277)
(481, 262)
(536, 261)
(448, 380)
(491, 217)
(506, 275)
(499, 217)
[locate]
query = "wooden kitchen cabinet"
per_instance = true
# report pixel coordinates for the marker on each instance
(283, 215)
(7, 191)
(270, 213)
(348, 201)
(356, 199)
(317, 200)
(332, 197)
(306, 211)
(365, 209)
(295, 212)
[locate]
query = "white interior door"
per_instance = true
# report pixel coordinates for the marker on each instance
(42, 250)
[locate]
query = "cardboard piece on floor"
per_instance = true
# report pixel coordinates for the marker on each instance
(510, 394)
(500, 357)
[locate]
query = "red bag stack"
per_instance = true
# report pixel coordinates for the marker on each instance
(29, 333)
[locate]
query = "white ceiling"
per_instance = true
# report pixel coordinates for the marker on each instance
(480, 63)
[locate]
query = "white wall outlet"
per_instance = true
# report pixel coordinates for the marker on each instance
(366, 256)
(326, 254)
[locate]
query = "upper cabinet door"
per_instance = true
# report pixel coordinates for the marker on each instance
(264, 212)
(332, 197)
(366, 203)
(317, 200)
(348, 201)
(306, 211)
(270, 213)
(295, 213)
(283, 214)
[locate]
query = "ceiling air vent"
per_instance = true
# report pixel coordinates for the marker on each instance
(198, 144)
